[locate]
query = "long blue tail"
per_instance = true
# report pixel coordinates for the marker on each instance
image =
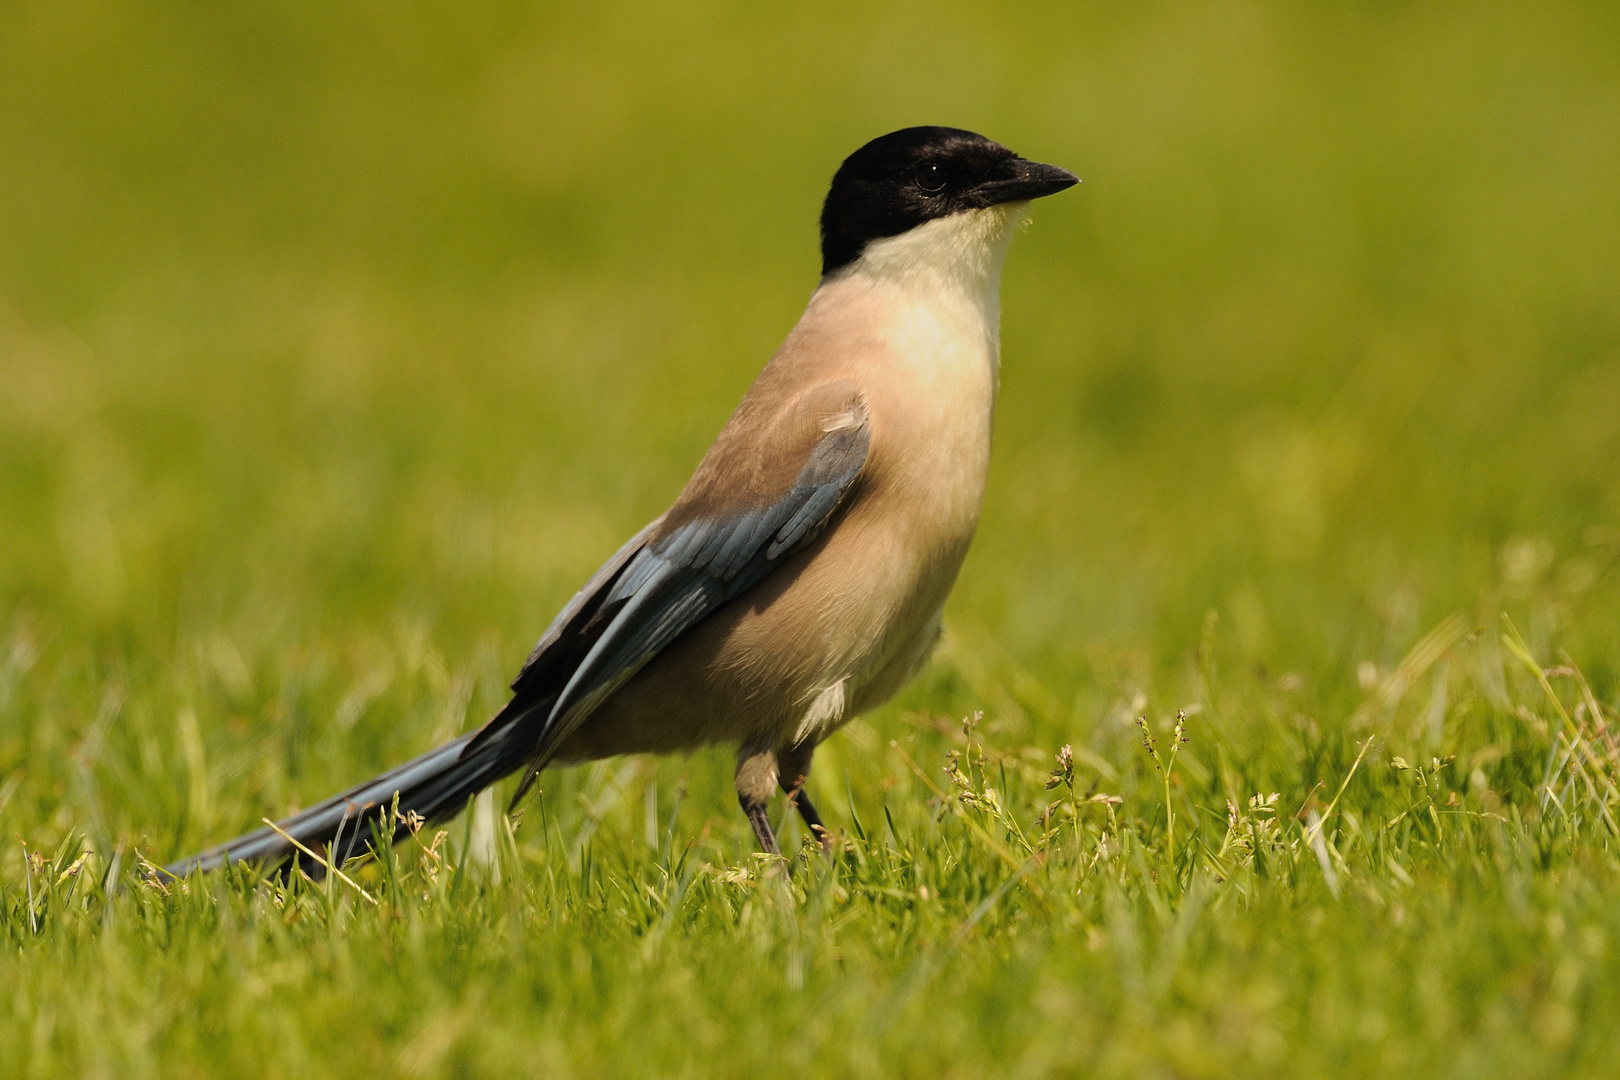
(436, 786)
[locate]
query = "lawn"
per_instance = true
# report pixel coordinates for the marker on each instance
(1274, 733)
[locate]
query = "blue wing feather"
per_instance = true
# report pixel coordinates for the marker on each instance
(672, 584)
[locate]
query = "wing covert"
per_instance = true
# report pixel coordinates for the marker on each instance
(677, 578)
(728, 531)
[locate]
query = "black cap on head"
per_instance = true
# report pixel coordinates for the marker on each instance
(905, 178)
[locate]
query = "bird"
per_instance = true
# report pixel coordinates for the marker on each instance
(799, 578)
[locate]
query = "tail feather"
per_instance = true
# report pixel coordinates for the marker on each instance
(438, 784)
(435, 786)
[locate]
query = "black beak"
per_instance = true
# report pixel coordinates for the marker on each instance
(1029, 180)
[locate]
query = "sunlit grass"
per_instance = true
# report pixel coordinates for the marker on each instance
(992, 905)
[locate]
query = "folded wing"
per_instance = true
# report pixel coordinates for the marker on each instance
(759, 496)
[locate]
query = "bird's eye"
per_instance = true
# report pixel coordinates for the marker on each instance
(931, 177)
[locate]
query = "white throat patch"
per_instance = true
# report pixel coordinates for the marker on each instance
(942, 284)
(965, 249)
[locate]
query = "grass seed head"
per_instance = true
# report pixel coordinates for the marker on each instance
(1064, 772)
(1148, 742)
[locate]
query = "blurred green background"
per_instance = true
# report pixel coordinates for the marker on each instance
(339, 343)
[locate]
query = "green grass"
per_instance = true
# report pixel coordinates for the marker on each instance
(337, 348)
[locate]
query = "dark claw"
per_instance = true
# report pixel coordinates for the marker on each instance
(812, 819)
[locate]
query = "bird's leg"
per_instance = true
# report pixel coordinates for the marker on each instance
(795, 772)
(756, 782)
(812, 820)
